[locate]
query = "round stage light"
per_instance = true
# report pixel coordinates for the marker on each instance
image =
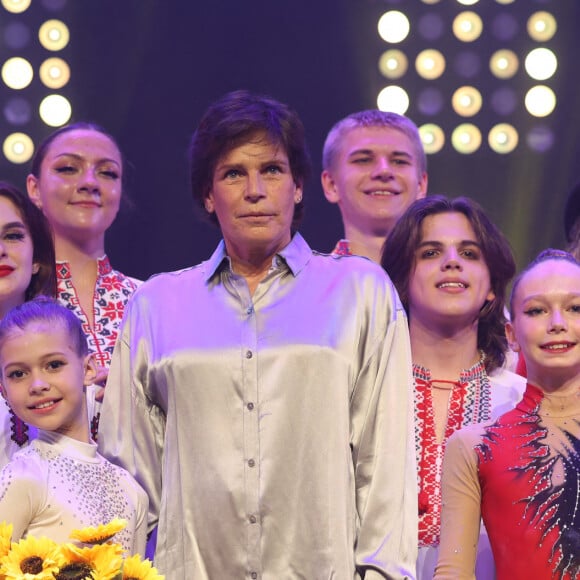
(504, 63)
(18, 148)
(393, 26)
(432, 137)
(504, 27)
(542, 26)
(17, 73)
(16, 6)
(503, 138)
(54, 73)
(430, 64)
(467, 26)
(466, 138)
(467, 64)
(466, 101)
(504, 101)
(540, 101)
(541, 64)
(468, 2)
(55, 110)
(394, 99)
(54, 35)
(540, 139)
(431, 26)
(16, 35)
(430, 101)
(17, 111)
(393, 64)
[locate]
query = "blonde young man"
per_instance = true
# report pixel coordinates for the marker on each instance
(374, 168)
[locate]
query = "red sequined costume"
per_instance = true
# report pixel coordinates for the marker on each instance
(522, 473)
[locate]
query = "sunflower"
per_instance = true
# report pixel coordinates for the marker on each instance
(31, 559)
(100, 534)
(135, 569)
(5, 538)
(101, 562)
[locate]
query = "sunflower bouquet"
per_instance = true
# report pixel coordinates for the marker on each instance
(94, 558)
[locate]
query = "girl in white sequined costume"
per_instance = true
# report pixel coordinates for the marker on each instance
(59, 482)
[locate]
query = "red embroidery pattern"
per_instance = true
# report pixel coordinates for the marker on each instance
(342, 248)
(470, 402)
(112, 291)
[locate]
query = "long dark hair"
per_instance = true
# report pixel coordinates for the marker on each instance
(44, 281)
(398, 260)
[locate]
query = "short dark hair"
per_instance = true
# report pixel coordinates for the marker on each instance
(45, 310)
(398, 260)
(234, 119)
(44, 281)
(544, 256)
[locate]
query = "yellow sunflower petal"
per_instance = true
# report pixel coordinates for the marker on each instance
(100, 534)
(5, 538)
(102, 561)
(135, 569)
(31, 559)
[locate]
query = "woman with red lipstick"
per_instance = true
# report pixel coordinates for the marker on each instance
(76, 179)
(521, 474)
(451, 265)
(26, 271)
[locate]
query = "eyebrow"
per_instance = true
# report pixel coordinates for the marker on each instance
(542, 297)
(440, 244)
(81, 158)
(10, 225)
(43, 358)
(276, 160)
(371, 152)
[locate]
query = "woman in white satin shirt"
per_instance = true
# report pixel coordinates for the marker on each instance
(263, 397)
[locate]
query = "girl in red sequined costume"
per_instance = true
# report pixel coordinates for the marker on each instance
(521, 473)
(451, 265)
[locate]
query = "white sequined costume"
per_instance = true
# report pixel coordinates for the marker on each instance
(57, 484)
